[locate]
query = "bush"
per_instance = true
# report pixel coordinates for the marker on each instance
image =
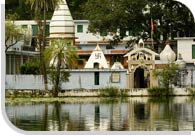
(191, 91)
(159, 91)
(124, 93)
(109, 91)
(30, 67)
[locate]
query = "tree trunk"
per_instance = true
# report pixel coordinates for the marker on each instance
(43, 49)
(57, 77)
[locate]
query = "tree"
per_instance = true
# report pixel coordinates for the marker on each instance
(171, 18)
(60, 55)
(166, 76)
(76, 9)
(12, 35)
(40, 6)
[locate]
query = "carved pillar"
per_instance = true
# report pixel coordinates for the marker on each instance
(153, 80)
(131, 75)
(130, 80)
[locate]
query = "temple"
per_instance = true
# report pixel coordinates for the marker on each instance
(110, 63)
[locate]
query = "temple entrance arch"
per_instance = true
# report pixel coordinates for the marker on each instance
(141, 78)
(140, 75)
(141, 63)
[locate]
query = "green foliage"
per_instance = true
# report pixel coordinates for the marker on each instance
(60, 55)
(76, 9)
(191, 91)
(170, 17)
(12, 34)
(124, 93)
(30, 67)
(166, 75)
(159, 91)
(64, 76)
(69, 57)
(109, 92)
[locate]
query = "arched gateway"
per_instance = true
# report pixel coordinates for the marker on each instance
(141, 62)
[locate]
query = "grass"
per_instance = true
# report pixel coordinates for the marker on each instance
(191, 91)
(112, 92)
(159, 91)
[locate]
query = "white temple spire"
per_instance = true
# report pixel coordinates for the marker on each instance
(62, 24)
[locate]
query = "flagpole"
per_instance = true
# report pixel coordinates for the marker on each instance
(152, 40)
(152, 32)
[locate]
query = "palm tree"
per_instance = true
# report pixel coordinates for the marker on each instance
(38, 6)
(60, 55)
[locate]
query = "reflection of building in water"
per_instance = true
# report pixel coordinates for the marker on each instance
(133, 115)
(115, 116)
(139, 115)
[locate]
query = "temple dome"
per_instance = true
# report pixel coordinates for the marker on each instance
(167, 54)
(62, 24)
(117, 65)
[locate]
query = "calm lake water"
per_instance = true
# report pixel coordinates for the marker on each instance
(98, 114)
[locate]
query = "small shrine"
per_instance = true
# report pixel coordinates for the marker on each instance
(97, 60)
(117, 65)
(141, 63)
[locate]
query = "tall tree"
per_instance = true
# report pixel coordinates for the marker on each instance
(60, 55)
(171, 18)
(12, 35)
(76, 9)
(166, 76)
(40, 6)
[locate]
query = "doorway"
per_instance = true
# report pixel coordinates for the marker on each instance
(141, 78)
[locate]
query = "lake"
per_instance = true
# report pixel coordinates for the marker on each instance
(104, 114)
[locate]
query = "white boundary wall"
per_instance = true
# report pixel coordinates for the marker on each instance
(78, 79)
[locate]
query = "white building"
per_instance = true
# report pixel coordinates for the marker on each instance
(186, 47)
(82, 34)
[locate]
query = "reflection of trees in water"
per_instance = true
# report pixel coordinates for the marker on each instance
(53, 121)
(45, 118)
(115, 116)
(65, 121)
(97, 116)
(141, 111)
(159, 114)
(170, 114)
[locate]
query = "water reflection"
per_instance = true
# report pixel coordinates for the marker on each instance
(132, 114)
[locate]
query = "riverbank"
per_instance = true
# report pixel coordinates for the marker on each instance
(95, 92)
(73, 100)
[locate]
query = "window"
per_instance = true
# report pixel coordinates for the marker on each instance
(47, 30)
(96, 65)
(97, 78)
(80, 28)
(193, 51)
(34, 30)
